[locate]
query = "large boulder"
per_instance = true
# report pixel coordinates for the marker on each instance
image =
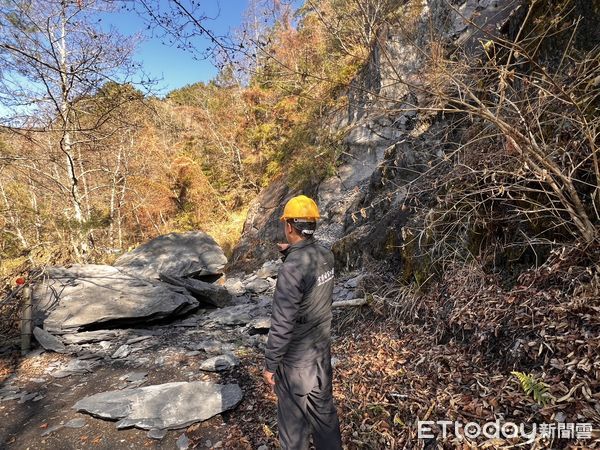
(174, 254)
(88, 296)
(164, 406)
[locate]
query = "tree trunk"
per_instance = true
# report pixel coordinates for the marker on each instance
(65, 110)
(113, 196)
(13, 220)
(36, 211)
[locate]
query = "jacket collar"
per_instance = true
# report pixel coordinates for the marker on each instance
(297, 246)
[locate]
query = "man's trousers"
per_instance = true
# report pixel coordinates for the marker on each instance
(305, 406)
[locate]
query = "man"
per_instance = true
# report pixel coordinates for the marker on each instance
(298, 353)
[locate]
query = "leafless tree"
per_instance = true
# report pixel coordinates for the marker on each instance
(55, 57)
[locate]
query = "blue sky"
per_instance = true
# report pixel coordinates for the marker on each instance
(177, 67)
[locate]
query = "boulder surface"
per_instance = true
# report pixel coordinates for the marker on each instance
(174, 254)
(89, 296)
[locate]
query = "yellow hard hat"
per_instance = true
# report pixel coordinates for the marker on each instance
(300, 207)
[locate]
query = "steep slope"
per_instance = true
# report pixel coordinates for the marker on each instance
(383, 120)
(401, 127)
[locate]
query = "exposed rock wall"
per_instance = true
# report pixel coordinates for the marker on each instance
(388, 139)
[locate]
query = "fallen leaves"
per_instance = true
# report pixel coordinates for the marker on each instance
(452, 360)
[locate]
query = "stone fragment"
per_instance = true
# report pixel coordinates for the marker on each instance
(233, 315)
(235, 286)
(86, 337)
(258, 286)
(352, 283)
(75, 423)
(48, 341)
(190, 322)
(135, 376)
(260, 325)
(105, 345)
(219, 363)
(74, 367)
(269, 269)
(183, 443)
(211, 346)
(137, 339)
(51, 430)
(88, 356)
(122, 352)
(37, 380)
(25, 397)
(9, 389)
(157, 434)
(165, 406)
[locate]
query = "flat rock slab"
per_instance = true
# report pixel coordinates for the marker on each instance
(175, 254)
(86, 337)
(75, 367)
(204, 292)
(163, 406)
(73, 423)
(212, 346)
(98, 295)
(133, 377)
(233, 315)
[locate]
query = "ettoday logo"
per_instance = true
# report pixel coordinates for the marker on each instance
(507, 430)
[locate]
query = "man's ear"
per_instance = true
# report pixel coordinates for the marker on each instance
(291, 230)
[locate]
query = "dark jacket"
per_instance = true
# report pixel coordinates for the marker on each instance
(301, 320)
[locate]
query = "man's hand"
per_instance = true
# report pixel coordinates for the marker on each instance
(282, 247)
(269, 378)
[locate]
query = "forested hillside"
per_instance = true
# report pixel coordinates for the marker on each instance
(121, 166)
(452, 146)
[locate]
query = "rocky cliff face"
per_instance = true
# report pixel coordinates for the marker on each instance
(389, 138)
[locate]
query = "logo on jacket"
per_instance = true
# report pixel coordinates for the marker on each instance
(325, 277)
